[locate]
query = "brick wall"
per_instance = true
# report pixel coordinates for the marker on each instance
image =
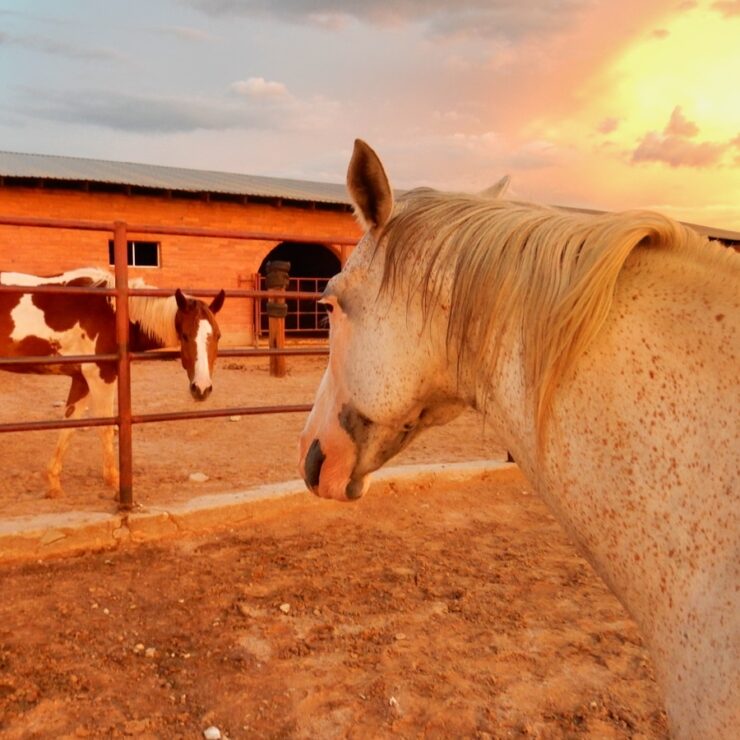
(185, 262)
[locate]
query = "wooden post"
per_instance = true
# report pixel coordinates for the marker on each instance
(276, 278)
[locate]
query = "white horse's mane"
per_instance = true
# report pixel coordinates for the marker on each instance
(516, 265)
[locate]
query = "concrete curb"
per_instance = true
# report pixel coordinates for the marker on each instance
(53, 535)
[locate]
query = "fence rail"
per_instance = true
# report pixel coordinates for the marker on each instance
(125, 419)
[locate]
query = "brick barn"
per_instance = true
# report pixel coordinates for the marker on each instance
(95, 190)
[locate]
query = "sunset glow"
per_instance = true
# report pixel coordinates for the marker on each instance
(598, 105)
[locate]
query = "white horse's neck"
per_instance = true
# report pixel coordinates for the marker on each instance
(637, 463)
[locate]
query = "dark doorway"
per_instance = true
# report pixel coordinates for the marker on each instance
(311, 266)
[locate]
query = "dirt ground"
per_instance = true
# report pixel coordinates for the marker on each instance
(418, 612)
(235, 455)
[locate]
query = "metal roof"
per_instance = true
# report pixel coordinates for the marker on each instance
(709, 231)
(50, 167)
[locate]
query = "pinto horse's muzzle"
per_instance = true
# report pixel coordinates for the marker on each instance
(198, 393)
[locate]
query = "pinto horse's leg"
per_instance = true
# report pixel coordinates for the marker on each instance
(102, 396)
(76, 405)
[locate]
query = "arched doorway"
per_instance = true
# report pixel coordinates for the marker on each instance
(311, 266)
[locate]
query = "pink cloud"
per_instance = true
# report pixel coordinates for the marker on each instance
(675, 146)
(679, 125)
(608, 125)
(728, 8)
(677, 151)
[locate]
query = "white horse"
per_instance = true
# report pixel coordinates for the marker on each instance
(604, 350)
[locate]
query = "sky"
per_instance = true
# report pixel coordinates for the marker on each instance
(597, 104)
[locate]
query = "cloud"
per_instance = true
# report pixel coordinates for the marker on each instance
(660, 33)
(259, 87)
(676, 146)
(608, 125)
(728, 8)
(488, 151)
(439, 18)
(133, 113)
(186, 33)
(679, 125)
(677, 151)
(168, 115)
(58, 48)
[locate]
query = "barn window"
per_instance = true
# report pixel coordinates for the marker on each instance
(140, 254)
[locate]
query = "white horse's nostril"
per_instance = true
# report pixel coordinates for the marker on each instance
(314, 460)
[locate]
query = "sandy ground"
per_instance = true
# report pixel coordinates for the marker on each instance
(417, 612)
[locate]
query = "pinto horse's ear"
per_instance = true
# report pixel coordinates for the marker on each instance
(218, 302)
(182, 301)
(496, 190)
(369, 188)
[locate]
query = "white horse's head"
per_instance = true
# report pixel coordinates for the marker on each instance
(389, 374)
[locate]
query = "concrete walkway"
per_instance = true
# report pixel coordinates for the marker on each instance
(52, 535)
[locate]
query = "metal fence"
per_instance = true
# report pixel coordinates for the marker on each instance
(124, 419)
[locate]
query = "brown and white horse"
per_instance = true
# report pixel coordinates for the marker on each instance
(42, 324)
(604, 350)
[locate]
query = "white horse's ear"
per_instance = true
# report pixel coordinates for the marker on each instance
(497, 190)
(369, 188)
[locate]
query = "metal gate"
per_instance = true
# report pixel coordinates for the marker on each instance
(305, 316)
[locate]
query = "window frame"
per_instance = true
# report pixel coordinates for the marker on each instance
(131, 246)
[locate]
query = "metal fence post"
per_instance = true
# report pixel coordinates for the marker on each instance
(125, 466)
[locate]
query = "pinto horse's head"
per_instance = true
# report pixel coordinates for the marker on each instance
(195, 323)
(389, 374)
